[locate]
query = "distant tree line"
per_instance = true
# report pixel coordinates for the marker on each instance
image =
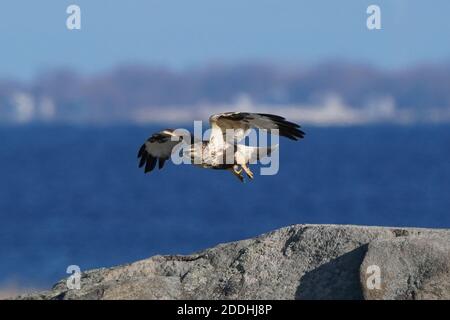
(116, 92)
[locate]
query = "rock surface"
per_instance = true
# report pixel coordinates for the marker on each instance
(411, 268)
(296, 262)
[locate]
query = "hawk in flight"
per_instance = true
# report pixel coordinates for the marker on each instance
(227, 130)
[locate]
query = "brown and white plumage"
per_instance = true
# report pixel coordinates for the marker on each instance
(243, 122)
(227, 129)
(157, 148)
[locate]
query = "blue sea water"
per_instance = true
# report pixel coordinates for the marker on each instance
(74, 195)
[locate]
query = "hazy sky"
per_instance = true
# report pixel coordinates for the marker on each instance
(188, 33)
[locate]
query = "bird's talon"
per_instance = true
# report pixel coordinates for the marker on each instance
(248, 171)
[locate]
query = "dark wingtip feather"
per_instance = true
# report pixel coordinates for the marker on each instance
(161, 163)
(151, 163)
(287, 129)
(141, 151)
(143, 155)
(271, 116)
(142, 162)
(290, 130)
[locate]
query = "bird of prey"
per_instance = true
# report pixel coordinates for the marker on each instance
(227, 129)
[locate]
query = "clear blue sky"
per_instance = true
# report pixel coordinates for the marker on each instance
(197, 32)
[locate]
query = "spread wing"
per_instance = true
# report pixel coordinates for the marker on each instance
(243, 122)
(157, 148)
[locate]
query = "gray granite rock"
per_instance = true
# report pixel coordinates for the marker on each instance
(296, 262)
(410, 267)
